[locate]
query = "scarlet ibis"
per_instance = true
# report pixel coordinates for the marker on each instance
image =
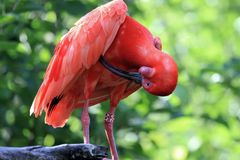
(106, 55)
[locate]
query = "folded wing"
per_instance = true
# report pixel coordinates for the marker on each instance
(77, 51)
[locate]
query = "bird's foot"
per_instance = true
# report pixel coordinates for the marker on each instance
(106, 159)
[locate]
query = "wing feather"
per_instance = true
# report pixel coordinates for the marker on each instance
(78, 50)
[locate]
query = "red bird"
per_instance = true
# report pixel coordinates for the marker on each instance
(106, 55)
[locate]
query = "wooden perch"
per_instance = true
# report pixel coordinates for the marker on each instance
(61, 152)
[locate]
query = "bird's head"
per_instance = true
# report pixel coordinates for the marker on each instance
(160, 79)
(142, 53)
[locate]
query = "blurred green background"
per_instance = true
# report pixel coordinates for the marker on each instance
(199, 121)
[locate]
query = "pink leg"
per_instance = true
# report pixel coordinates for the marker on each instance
(108, 123)
(85, 122)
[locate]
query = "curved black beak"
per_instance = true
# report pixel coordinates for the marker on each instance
(134, 76)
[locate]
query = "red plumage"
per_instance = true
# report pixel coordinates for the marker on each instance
(75, 78)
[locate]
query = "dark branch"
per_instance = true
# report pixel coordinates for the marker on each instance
(61, 152)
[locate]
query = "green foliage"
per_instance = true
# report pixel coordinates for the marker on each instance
(199, 121)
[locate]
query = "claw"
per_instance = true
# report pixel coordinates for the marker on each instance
(158, 43)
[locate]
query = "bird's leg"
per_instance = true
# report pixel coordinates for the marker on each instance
(108, 123)
(90, 81)
(85, 122)
(115, 96)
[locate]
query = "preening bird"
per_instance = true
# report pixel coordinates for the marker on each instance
(106, 55)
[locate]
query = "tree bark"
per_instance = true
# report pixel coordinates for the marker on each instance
(60, 152)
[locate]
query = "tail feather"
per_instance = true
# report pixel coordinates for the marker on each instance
(59, 110)
(32, 107)
(38, 102)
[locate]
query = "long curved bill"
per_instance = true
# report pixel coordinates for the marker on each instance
(134, 76)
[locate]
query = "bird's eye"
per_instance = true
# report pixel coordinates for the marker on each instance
(148, 84)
